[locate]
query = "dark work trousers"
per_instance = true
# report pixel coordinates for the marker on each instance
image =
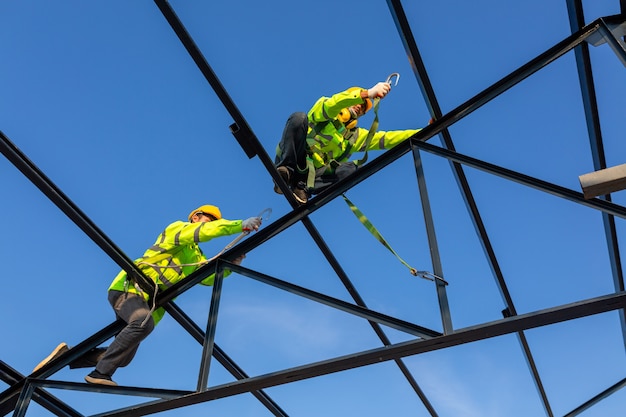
(133, 310)
(291, 152)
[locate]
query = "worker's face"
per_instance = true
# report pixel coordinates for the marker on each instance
(202, 217)
(358, 109)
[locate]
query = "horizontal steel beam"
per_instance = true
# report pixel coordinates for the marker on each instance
(502, 327)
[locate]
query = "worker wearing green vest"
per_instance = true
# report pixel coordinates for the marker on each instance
(315, 148)
(173, 256)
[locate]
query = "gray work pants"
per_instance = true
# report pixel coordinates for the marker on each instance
(133, 310)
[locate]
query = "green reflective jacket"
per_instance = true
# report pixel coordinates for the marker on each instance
(328, 139)
(175, 246)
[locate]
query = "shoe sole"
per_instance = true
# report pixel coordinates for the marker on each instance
(300, 200)
(58, 351)
(98, 381)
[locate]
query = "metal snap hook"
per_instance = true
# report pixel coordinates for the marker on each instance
(391, 76)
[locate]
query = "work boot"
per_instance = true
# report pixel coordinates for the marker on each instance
(58, 351)
(285, 175)
(97, 378)
(300, 194)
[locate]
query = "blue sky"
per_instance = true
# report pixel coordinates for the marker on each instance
(105, 100)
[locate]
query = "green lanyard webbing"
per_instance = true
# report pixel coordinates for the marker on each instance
(370, 134)
(370, 227)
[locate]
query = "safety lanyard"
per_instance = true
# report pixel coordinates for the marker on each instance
(370, 134)
(370, 227)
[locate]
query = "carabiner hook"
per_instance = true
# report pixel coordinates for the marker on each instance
(265, 213)
(395, 74)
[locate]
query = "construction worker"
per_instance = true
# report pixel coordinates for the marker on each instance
(174, 255)
(315, 148)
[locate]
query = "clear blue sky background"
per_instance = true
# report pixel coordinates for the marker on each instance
(105, 100)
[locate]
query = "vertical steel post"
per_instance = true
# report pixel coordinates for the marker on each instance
(442, 296)
(209, 338)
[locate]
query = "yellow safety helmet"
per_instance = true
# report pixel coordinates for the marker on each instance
(207, 209)
(344, 115)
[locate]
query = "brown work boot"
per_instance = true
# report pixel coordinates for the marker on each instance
(301, 195)
(58, 351)
(285, 175)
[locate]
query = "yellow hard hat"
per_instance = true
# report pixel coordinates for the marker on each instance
(207, 209)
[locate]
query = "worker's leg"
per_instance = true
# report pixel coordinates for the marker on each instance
(133, 310)
(291, 150)
(326, 180)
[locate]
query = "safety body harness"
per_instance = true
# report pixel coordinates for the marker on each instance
(153, 262)
(330, 161)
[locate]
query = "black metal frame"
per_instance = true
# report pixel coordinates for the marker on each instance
(23, 389)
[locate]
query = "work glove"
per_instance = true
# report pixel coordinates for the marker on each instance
(251, 224)
(379, 90)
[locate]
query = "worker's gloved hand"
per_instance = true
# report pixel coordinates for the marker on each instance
(251, 224)
(379, 90)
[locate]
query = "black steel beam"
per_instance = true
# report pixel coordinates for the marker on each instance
(241, 125)
(67, 206)
(557, 190)
(502, 327)
(356, 310)
(118, 390)
(607, 392)
(211, 327)
(8, 398)
(41, 397)
(444, 307)
(240, 128)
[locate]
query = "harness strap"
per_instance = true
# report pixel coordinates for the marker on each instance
(371, 133)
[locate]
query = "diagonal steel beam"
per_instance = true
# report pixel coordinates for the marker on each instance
(596, 399)
(67, 206)
(356, 310)
(557, 190)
